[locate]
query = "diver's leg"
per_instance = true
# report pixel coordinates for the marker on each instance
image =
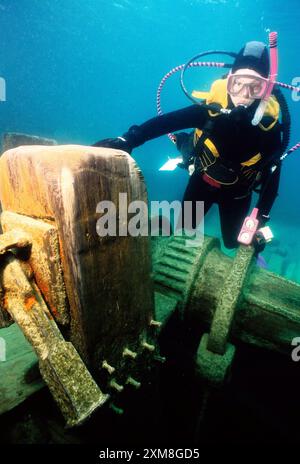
(232, 214)
(196, 190)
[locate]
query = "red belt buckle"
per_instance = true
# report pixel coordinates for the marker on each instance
(210, 181)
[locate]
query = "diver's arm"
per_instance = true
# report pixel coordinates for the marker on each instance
(190, 117)
(269, 192)
(186, 118)
(271, 146)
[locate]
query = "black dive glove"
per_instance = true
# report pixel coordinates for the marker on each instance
(241, 116)
(119, 143)
(131, 139)
(259, 244)
(259, 241)
(263, 219)
(185, 145)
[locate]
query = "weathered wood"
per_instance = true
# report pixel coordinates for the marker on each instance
(19, 375)
(107, 279)
(15, 139)
(44, 259)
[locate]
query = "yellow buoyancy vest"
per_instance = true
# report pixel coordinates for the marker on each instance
(218, 94)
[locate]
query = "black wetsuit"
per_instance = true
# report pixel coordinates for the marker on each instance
(236, 140)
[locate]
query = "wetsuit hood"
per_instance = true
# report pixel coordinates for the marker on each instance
(254, 55)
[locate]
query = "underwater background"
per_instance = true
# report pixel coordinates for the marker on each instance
(79, 71)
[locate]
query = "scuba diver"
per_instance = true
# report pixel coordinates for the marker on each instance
(235, 145)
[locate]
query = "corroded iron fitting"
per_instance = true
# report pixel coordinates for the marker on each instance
(147, 346)
(116, 409)
(129, 354)
(110, 369)
(14, 239)
(154, 323)
(113, 384)
(133, 382)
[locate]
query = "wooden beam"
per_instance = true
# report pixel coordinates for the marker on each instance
(107, 278)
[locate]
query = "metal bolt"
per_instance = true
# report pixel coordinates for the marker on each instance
(109, 368)
(116, 409)
(129, 353)
(133, 382)
(155, 323)
(147, 346)
(116, 386)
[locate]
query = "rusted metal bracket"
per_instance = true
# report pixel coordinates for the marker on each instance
(68, 379)
(9, 241)
(14, 239)
(43, 258)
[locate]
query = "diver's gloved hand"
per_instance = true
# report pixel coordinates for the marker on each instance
(242, 115)
(119, 143)
(259, 244)
(130, 140)
(184, 144)
(263, 219)
(262, 236)
(182, 165)
(181, 139)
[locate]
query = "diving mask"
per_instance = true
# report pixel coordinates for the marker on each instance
(256, 86)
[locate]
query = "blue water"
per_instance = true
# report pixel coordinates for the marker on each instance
(79, 71)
